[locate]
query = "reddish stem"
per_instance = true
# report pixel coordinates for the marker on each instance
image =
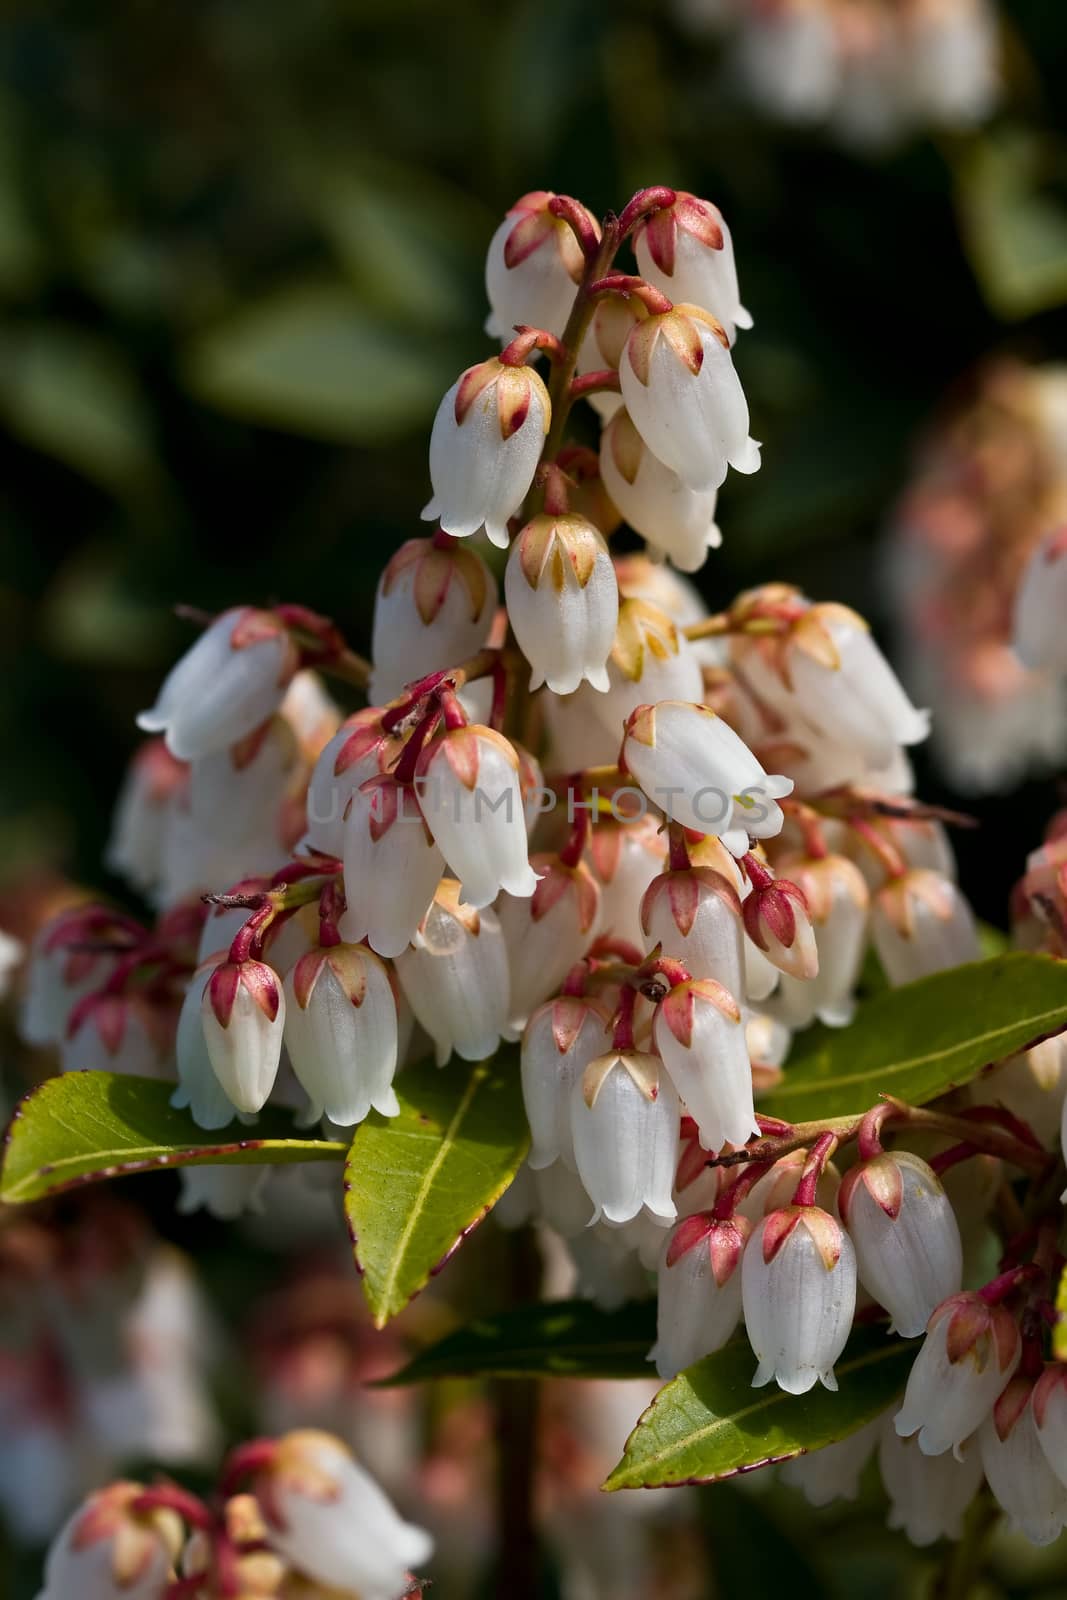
(451, 709)
(735, 1192)
(605, 380)
(1006, 1283)
(821, 1151)
(172, 1497)
(498, 708)
(251, 1457)
(869, 1140)
(947, 1159)
(578, 220)
(657, 197)
(404, 771)
(571, 853)
(557, 488)
(631, 287)
(885, 851)
(527, 340)
(622, 1033)
(759, 876)
(575, 981)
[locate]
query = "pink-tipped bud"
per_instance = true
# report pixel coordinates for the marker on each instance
(778, 922)
(677, 521)
(921, 923)
(243, 1014)
(471, 797)
(534, 266)
(109, 1551)
(455, 976)
(341, 1032)
(686, 250)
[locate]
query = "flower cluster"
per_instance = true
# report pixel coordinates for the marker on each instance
(872, 72)
(310, 1521)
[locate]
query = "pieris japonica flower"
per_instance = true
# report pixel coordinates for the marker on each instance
(907, 1239)
(434, 606)
(484, 449)
(778, 922)
(548, 931)
(472, 801)
(64, 967)
(360, 749)
(692, 764)
(243, 1013)
(970, 1352)
(1040, 602)
(776, 1188)
(693, 914)
(142, 814)
(699, 1290)
(198, 1087)
(651, 660)
(455, 976)
(225, 1192)
(686, 400)
(700, 1035)
(625, 857)
(391, 865)
(330, 1519)
(833, 1473)
(109, 1551)
(232, 679)
(837, 902)
(533, 268)
(1049, 1403)
(625, 1120)
(1017, 1469)
(562, 1200)
(677, 521)
(117, 1033)
(928, 1495)
(920, 923)
(1033, 1086)
(563, 602)
(798, 1288)
(560, 1040)
(341, 1032)
(686, 251)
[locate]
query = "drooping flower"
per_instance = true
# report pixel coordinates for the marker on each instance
(548, 931)
(1040, 602)
(969, 1354)
(907, 1239)
(833, 1473)
(1017, 1467)
(693, 914)
(341, 1032)
(391, 865)
(674, 519)
(560, 1040)
(686, 250)
(837, 901)
(928, 1495)
(625, 1120)
(242, 1012)
(921, 923)
(455, 976)
(533, 268)
(472, 801)
(434, 607)
(109, 1551)
(360, 749)
(563, 602)
(798, 1287)
(700, 1035)
(699, 1290)
(651, 660)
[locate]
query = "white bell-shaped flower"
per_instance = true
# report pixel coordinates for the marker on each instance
(969, 1354)
(625, 1120)
(225, 1192)
(391, 866)
(686, 400)
(700, 1035)
(694, 915)
(651, 660)
(1040, 639)
(833, 1473)
(928, 1495)
(533, 268)
(1050, 1416)
(921, 923)
(470, 793)
(560, 1040)
(121, 1033)
(838, 901)
(698, 1296)
(677, 521)
(1017, 1469)
(108, 1551)
(686, 251)
(64, 967)
(142, 815)
(327, 1516)
(232, 679)
(360, 749)
(434, 608)
(455, 976)
(798, 1289)
(1033, 1086)
(907, 1239)
(243, 1013)
(576, 736)
(341, 1033)
(625, 858)
(563, 602)
(692, 764)
(486, 442)
(548, 931)
(198, 1087)
(562, 1200)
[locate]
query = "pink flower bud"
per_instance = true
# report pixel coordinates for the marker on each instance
(700, 1036)
(63, 968)
(625, 1120)
(970, 1352)
(360, 749)
(798, 1287)
(928, 1495)
(486, 442)
(243, 1014)
(686, 400)
(906, 1236)
(1040, 602)
(691, 764)
(779, 924)
(1017, 1468)
(562, 1037)
(434, 608)
(533, 268)
(563, 602)
(547, 932)
(699, 1290)
(677, 521)
(455, 976)
(392, 866)
(686, 251)
(232, 679)
(341, 1032)
(122, 1033)
(837, 900)
(327, 1516)
(108, 1551)
(920, 923)
(694, 916)
(472, 800)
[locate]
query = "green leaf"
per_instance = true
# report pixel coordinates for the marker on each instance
(417, 1184)
(556, 1338)
(1059, 1331)
(709, 1423)
(84, 1126)
(1013, 220)
(920, 1040)
(315, 359)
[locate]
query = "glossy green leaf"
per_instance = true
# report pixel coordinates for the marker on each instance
(418, 1183)
(554, 1339)
(85, 1126)
(918, 1041)
(709, 1423)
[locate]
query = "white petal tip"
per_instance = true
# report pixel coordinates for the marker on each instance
(497, 533)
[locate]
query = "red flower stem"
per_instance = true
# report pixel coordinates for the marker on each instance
(1007, 1282)
(527, 340)
(884, 850)
(869, 1136)
(451, 709)
(735, 1192)
(571, 853)
(575, 981)
(251, 1457)
(498, 708)
(622, 1033)
(577, 219)
(603, 381)
(631, 287)
(821, 1152)
(172, 1497)
(657, 197)
(556, 486)
(678, 859)
(952, 1157)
